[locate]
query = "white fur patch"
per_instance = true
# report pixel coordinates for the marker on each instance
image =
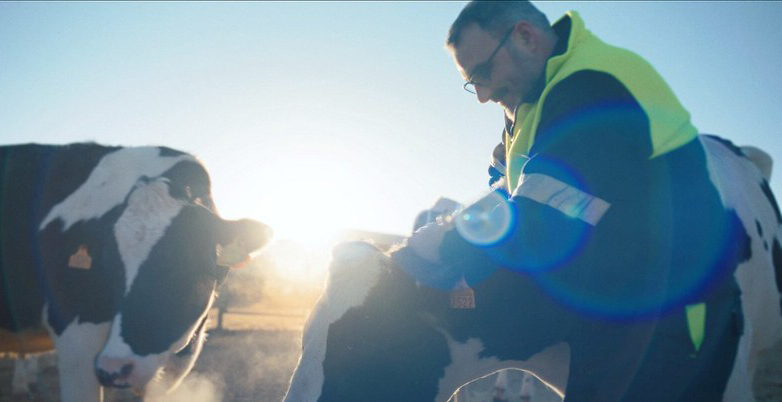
(115, 345)
(354, 271)
(76, 350)
(109, 183)
(527, 387)
(550, 365)
(149, 212)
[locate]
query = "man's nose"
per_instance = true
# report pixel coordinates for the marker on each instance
(482, 93)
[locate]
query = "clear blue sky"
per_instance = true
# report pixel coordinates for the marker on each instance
(327, 115)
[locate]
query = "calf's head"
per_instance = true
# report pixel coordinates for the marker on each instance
(175, 253)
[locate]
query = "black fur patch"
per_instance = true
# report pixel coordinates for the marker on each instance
(374, 350)
(777, 256)
(168, 152)
(190, 182)
(173, 285)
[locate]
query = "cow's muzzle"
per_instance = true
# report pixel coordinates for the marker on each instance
(113, 372)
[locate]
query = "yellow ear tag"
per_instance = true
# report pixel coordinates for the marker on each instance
(81, 259)
(232, 255)
(462, 296)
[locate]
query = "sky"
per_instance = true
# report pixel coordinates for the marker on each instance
(320, 116)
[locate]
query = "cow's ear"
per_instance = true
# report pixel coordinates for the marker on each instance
(237, 240)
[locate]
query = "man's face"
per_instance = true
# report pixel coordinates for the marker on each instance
(512, 72)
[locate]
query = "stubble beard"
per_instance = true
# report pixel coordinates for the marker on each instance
(508, 102)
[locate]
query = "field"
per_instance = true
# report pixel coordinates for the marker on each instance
(234, 366)
(244, 365)
(255, 365)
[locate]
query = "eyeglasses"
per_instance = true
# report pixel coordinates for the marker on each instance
(483, 71)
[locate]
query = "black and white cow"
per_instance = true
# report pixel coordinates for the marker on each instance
(376, 334)
(117, 252)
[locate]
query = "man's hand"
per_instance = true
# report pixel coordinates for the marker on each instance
(445, 206)
(442, 207)
(426, 240)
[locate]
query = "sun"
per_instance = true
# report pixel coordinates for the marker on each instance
(308, 194)
(308, 200)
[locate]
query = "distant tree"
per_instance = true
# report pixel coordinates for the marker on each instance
(241, 288)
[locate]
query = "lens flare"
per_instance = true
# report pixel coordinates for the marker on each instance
(487, 221)
(690, 271)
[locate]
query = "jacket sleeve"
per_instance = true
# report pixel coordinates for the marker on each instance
(589, 180)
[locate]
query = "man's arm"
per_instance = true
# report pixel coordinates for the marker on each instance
(592, 148)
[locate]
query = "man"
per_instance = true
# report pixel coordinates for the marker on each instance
(613, 212)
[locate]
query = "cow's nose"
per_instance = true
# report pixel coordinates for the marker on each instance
(112, 372)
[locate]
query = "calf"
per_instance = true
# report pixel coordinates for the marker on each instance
(117, 252)
(377, 334)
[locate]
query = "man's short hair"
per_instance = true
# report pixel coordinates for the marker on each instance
(495, 17)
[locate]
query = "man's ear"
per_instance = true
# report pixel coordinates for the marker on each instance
(236, 240)
(527, 34)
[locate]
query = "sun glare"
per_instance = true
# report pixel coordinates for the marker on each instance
(309, 195)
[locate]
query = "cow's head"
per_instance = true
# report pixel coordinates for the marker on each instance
(175, 252)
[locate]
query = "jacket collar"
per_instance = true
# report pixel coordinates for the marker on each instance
(571, 31)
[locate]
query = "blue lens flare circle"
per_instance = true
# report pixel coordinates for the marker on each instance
(487, 221)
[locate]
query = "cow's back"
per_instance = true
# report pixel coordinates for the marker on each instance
(33, 178)
(741, 174)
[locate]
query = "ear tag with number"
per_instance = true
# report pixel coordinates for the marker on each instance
(81, 259)
(462, 296)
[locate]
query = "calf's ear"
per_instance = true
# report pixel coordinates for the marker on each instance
(236, 240)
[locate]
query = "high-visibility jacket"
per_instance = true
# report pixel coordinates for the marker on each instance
(613, 211)
(669, 122)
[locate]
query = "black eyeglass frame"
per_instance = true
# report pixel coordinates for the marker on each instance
(482, 70)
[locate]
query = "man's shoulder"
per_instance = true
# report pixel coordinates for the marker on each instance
(587, 89)
(591, 110)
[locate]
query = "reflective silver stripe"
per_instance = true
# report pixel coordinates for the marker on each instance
(497, 164)
(563, 197)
